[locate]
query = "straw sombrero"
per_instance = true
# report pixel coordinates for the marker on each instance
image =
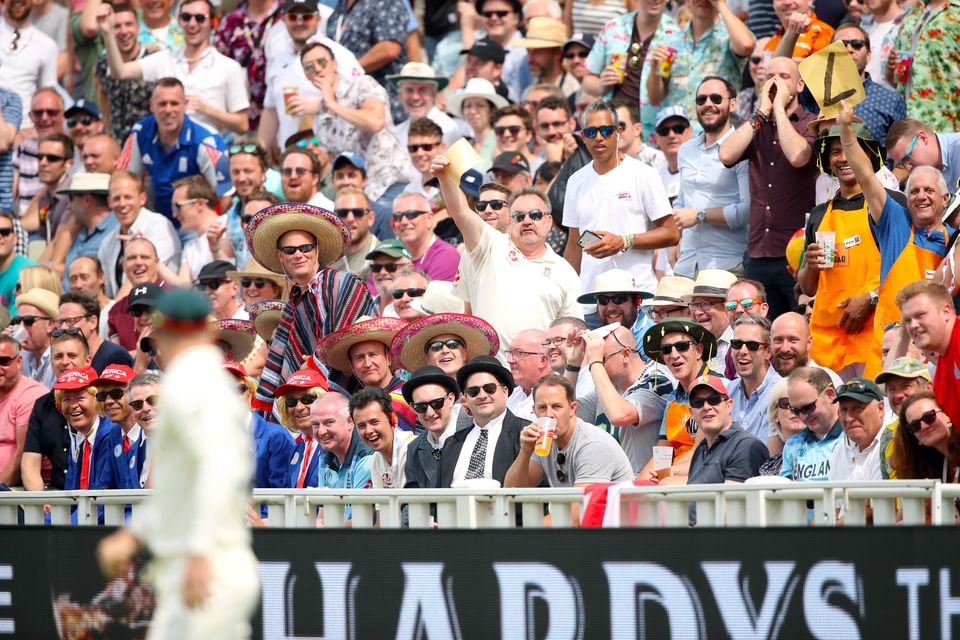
(254, 269)
(334, 349)
(238, 334)
(269, 224)
(653, 336)
(409, 346)
(265, 316)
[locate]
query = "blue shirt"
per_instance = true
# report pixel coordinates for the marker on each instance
(806, 459)
(354, 473)
(882, 107)
(893, 234)
(950, 159)
(751, 413)
(87, 243)
(12, 109)
(8, 281)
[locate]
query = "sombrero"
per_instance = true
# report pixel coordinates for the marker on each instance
(238, 334)
(653, 336)
(334, 349)
(254, 269)
(269, 224)
(265, 316)
(409, 345)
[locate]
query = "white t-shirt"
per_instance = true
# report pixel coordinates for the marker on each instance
(624, 201)
(289, 76)
(33, 64)
(196, 251)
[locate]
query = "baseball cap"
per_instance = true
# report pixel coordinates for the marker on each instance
(144, 295)
(303, 379)
(236, 369)
(83, 106)
(583, 39)
(516, 5)
(393, 248)
(487, 49)
(216, 270)
(714, 382)
(308, 6)
(511, 162)
(859, 389)
(116, 373)
(75, 379)
(670, 112)
(352, 158)
(904, 368)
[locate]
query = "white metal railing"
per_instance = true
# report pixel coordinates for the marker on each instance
(760, 504)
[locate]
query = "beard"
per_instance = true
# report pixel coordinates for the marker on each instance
(716, 126)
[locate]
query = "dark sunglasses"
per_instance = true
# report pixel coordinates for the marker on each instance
(570, 55)
(783, 403)
(50, 157)
(682, 346)
(113, 394)
(72, 331)
(514, 130)
(435, 404)
(927, 418)
(50, 113)
(806, 409)
(213, 285)
(665, 130)
(6, 361)
(712, 400)
(755, 59)
(306, 400)
(390, 267)
(6, 231)
(137, 405)
(414, 292)
(490, 388)
(139, 311)
(14, 40)
(356, 212)
(715, 98)
(854, 387)
(496, 205)
(617, 298)
(751, 345)
(290, 250)
(259, 283)
(412, 214)
(27, 320)
(426, 146)
(438, 345)
(243, 148)
(606, 131)
(85, 120)
(200, 18)
(535, 214)
(246, 218)
(802, 308)
(561, 460)
(857, 44)
(499, 14)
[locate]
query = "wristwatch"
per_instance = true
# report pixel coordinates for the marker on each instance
(701, 216)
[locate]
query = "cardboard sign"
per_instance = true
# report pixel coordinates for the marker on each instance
(831, 74)
(462, 168)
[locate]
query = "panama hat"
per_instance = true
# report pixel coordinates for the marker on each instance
(712, 283)
(239, 334)
(613, 281)
(334, 349)
(438, 298)
(653, 336)
(543, 33)
(270, 223)
(265, 316)
(672, 291)
(410, 344)
(254, 269)
(87, 183)
(428, 374)
(47, 301)
(476, 88)
(418, 72)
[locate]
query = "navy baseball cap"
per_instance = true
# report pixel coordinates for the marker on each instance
(83, 106)
(487, 49)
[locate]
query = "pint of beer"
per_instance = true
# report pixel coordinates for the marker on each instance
(548, 431)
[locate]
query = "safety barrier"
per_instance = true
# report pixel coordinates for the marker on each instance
(759, 504)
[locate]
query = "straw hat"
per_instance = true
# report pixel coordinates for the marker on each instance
(672, 291)
(438, 298)
(334, 349)
(265, 316)
(653, 336)
(410, 344)
(476, 88)
(543, 33)
(613, 281)
(47, 301)
(712, 283)
(87, 183)
(254, 269)
(239, 334)
(269, 224)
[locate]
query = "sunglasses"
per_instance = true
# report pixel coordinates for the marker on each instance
(435, 404)
(906, 162)
(246, 219)
(72, 331)
(389, 267)
(751, 345)
(137, 405)
(290, 250)
(6, 361)
(618, 298)
(715, 98)
(308, 142)
(356, 212)
(50, 113)
(113, 394)
(426, 146)
(927, 418)
(84, 120)
(576, 54)
(6, 232)
(50, 157)
(310, 68)
(482, 205)
(490, 388)
(306, 400)
(746, 303)
(807, 409)
(857, 44)
(244, 148)
(182, 203)
(300, 18)
(606, 131)
(783, 403)
(259, 283)
(242, 389)
(712, 400)
(413, 293)
(561, 460)
(498, 14)
(199, 18)
(854, 387)
(138, 312)
(682, 346)
(300, 171)
(802, 308)
(438, 345)
(664, 130)
(514, 130)
(755, 59)
(412, 214)
(534, 214)
(27, 320)
(212, 285)
(14, 40)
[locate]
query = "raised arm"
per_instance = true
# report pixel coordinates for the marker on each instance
(796, 148)
(873, 189)
(120, 69)
(469, 223)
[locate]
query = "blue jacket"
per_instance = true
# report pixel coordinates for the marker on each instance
(101, 475)
(273, 448)
(293, 466)
(123, 469)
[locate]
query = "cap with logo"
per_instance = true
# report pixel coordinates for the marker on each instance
(713, 382)
(303, 6)
(75, 379)
(303, 379)
(583, 39)
(511, 162)
(904, 368)
(144, 295)
(393, 248)
(116, 373)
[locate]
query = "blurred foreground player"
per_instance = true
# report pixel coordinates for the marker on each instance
(204, 571)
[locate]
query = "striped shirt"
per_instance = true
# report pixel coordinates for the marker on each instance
(11, 107)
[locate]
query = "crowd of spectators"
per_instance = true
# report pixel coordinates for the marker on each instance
(539, 243)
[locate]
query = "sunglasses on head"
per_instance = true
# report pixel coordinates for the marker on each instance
(290, 250)
(682, 346)
(390, 267)
(308, 142)
(535, 214)
(854, 387)
(414, 292)
(514, 130)
(6, 361)
(426, 146)
(26, 320)
(605, 131)
(438, 345)
(356, 212)
(306, 400)
(199, 18)
(85, 120)
(137, 405)
(412, 214)
(751, 345)
(490, 388)
(746, 303)
(436, 404)
(856, 43)
(715, 98)
(496, 205)
(617, 298)
(72, 331)
(713, 400)
(243, 148)
(113, 394)
(259, 283)
(927, 418)
(665, 130)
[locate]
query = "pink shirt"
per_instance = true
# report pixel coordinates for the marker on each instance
(15, 410)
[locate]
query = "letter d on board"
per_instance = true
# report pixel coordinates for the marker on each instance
(521, 585)
(634, 586)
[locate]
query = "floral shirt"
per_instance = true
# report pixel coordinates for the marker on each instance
(242, 39)
(173, 41)
(615, 38)
(129, 99)
(933, 39)
(385, 157)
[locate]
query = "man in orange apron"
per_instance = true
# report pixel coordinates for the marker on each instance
(912, 239)
(842, 263)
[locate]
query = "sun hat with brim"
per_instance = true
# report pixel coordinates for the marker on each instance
(120, 373)
(486, 364)
(303, 379)
(75, 379)
(265, 316)
(438, 298)
(253, 270)
(613, 281)
(672, 291)
(543, 33)
(904, 367)
(874, 150)
(428, 374)
(239, 334)
(712, 283)
(654, 335)
(710, 381)
(334, 349)
(236, 369)
(87, 183)
(859, 389)
(47, 301)
(476, 88)
(269, 224)
(418, 72)
(410, 344)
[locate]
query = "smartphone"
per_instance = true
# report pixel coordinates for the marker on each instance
(588, 238)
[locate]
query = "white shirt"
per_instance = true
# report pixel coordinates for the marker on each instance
(154, 226)
(848, 462)
(392, 476)
(877, 31)
(521, 404)
(218, 80)
(286, 77)
(33, 64)
(437, 443)
(322, 201)
(196, 251)
(494, 427)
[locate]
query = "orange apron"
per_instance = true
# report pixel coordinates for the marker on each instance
(855, 271)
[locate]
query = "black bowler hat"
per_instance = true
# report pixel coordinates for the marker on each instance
(489, 365)
(429, 374)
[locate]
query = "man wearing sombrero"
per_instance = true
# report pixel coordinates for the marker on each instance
(299, 241)
(444, 340)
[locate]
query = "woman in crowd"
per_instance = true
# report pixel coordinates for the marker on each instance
(925, 444)
(786, 424)
(475, 103)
